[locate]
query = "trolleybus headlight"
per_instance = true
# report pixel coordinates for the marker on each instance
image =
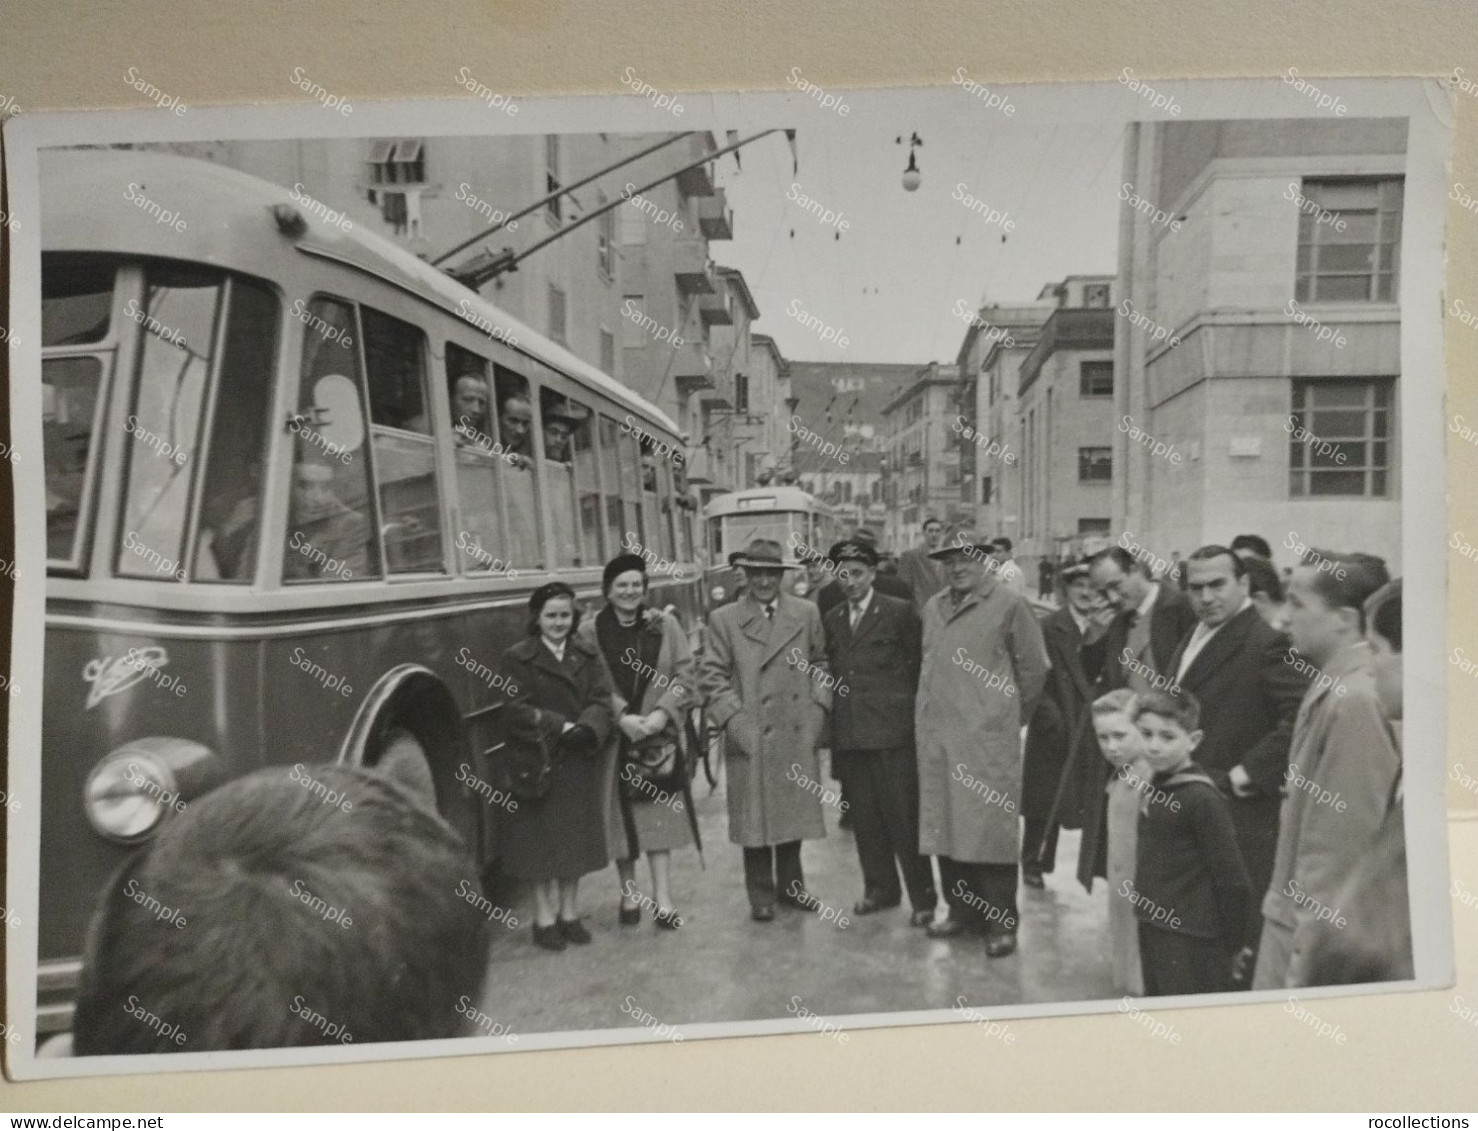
(801, 587)
(131, 791)
(717, 593)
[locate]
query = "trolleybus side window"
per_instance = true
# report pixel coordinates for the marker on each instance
(610, 469)
(330, 533)
(663, 517)
(561, 419)
(231, 495)
(76, 303)
(404, 452)
(515, 433)
(657, 537)
(631, 487)
(178, 340)
(587, 490)
(479, 461)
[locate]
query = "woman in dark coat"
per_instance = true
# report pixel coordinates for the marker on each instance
(554, 840)
(645, 650)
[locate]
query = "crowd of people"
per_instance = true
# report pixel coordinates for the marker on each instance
(1225, 736)
(1233, 763)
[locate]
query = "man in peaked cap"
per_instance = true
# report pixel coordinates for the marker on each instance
(764, 677)
(874, 644)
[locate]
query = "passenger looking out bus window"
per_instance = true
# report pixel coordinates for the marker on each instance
(516, 422)
(560, 419)
(480, 464)
(557, 431)
(328, 541)
(405, 455)
(515, 433)
(470, 423)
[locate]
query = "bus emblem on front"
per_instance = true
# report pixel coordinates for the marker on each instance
(113, 674)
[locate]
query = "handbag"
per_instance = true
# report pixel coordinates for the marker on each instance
(651, 766)
(528, 766)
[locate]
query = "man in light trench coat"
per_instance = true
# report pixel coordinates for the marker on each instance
(985, 665)
(764, 677)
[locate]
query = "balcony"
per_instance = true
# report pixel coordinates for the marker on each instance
(692, 268)
(715, 217)
(717, 400)
(692, 369)
(697, 181)
(717, 309)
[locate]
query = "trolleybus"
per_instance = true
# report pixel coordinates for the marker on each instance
(299, 486)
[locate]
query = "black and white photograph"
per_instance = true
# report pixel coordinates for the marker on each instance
(536, 572)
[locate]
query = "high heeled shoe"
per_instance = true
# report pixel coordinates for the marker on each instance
(667, 919)
(629, 916)
(573, 931)
(550, 937)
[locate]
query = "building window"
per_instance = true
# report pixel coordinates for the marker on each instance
(1088, 527)
(605, 240)
(741, 393)
(1360, 263)
(1096, 379)
(557, 314)
(551, 176)
(985, 488)
(633, 318)
(401, 162)
(397, 173)
(1095, 465)
(633, 225)
(607, 352)
(1096, 295)
(1340, 438)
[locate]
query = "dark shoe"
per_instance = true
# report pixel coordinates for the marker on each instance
(947, 928)
(803, 902)
(1033, 879)
(871, 904)
(921, 919)
(846, 819)
(630, 916)
(765, 913)
(550, 937)
(1000, 944)
(668, 920)
(573, 931)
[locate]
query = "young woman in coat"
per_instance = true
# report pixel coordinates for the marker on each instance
(554, 840)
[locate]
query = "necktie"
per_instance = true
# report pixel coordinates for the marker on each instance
(856, 615)
(770, 612)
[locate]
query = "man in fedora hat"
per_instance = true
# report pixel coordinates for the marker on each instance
(874, 644)
(764, 678)
(984, 666)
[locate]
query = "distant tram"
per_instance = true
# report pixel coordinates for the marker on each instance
(801, 523)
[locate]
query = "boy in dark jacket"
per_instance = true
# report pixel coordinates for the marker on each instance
(1192, 893)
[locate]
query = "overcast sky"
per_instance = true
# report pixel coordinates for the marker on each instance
(891, 281)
